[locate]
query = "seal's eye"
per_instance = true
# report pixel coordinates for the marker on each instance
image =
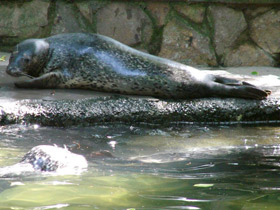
(27, 60)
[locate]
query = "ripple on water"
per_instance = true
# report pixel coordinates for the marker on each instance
(153, 167)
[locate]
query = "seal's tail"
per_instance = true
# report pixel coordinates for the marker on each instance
(239, 89)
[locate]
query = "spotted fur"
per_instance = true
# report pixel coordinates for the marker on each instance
(96, 62)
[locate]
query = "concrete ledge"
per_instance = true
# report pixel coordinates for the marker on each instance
(131, 110)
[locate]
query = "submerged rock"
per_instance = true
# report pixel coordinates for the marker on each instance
(47, 158)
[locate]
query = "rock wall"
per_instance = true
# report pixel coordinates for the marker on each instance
(206, 34)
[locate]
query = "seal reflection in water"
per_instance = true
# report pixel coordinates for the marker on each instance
(96, 62)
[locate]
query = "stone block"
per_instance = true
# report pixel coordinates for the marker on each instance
(124, 22)
(159, 11)
(265, 31)
(252, 12)
(67, 20)
(184, 44)
(248, 55)
(194, 12)
(23, 20)
(89, 8)
(228, 24)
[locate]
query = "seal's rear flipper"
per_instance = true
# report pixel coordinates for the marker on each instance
(250, 92)
(239, 89)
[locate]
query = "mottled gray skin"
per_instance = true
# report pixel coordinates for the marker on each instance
(46, 158)
(96, 62)
(52, 158)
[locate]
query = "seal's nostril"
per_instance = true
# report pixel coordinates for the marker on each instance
(12, 71)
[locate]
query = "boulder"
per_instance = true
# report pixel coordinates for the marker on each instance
(184, 44)
(248, 55)
(228, 24)
(265, 30)
(18, 19)
(124, 22)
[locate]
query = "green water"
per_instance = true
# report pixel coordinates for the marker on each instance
(154, 167)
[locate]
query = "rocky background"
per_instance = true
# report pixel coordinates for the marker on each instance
(200, 34)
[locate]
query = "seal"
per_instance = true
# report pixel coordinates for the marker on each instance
(96, 62)
(47, 158)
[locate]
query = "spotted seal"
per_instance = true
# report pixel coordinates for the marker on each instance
(96, 62)
(47, 158)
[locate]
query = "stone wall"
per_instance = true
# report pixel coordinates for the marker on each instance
(206, 34)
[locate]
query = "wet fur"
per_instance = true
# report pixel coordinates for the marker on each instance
(47, 159)
(96, 62)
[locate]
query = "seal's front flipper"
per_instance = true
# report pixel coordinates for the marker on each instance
(239, 89)
(49, 80)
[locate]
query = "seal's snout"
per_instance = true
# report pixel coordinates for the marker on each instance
(13, 71)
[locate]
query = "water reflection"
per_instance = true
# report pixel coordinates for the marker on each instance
(151, 167)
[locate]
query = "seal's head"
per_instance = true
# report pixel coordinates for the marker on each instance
(28, 58)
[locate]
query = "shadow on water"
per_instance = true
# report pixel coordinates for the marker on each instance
(153, 167)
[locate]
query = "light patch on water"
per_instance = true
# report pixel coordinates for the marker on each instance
(58, 183)
(176, 198)
(36, 126)
(183, 207)
(16, 183)
(112, 144)
(57, 206)
(233, 164)
(183, 154)
(161, 158)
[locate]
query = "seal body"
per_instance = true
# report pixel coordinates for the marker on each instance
(47, 158)
(53, 158)
(96, 62)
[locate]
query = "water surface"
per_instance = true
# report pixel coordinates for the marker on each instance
(154, 167)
